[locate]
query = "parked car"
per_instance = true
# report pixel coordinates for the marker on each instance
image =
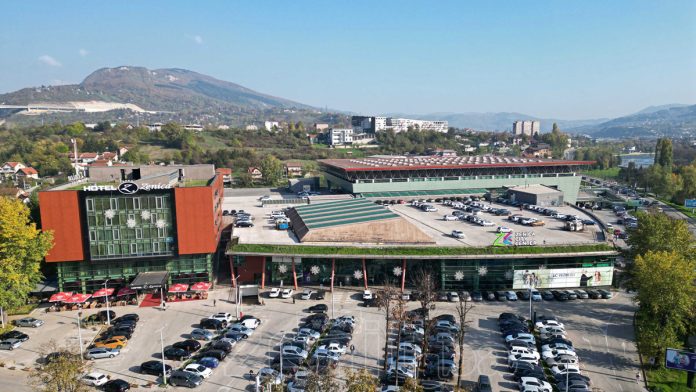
(605, 294)
(476, 296)
(176, 354)
(209, 362)
(458, 234)
(10, 344)
(201, 334)
(483, 384)
(217, 354)
(320, 308)
(320, 295)
(367, 294)
(188, 345)
(199, 370)
(511, 296)
(29, 322)
(286, 293)
(453, 296)
(95, 379)
(14, 335)
(274, 292)
(215, 324)
(244, 331)
(184, 378)
(101, 352)
(112, 343)
(116, 385)
(244, 223)
(222, 316)
(155, 368)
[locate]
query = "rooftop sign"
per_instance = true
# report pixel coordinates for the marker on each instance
(126, 188)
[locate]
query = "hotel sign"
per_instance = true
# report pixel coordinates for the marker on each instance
(126, 188)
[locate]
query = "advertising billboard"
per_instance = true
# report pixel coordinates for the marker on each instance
(690, 203)
(562, 277)
(680, 360)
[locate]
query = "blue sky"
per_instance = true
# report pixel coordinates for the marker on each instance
(562, 59)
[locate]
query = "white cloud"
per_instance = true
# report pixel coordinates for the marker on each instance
(198, 39)
(49, 60)
(83, 52)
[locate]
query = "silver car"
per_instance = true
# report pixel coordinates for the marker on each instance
(29, 322)
(101, 352)
(201, 334)
(10, 344)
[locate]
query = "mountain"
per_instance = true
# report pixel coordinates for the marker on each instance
(499, 121)
(652, 122)
(181, 91)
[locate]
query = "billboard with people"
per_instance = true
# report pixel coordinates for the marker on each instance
(562, 277)
(680, 360)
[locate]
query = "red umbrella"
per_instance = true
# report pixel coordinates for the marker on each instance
(125, 291)
(60, 297)
(103, 292)
(78, 298)
(200, 286)
(178, 288)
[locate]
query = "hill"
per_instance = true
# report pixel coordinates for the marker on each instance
(652, 122)
(191, 95)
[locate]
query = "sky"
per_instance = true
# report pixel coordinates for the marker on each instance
(557, 59)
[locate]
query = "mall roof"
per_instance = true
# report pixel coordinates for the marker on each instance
(342, 212)
(534, 189)
(437, 162)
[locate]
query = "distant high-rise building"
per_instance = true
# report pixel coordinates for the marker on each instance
(527, 127)
(370, 124)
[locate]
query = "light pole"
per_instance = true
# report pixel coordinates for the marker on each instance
(164, 368)
(236, 299)
(531, 285)
(282, 337)
(108, 313)
(79, 335)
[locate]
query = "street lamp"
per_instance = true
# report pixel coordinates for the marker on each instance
(237, 295)
(282, 337)
(108, 313)
(164, 368)
(79, 335)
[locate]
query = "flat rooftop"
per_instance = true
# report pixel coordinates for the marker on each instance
(431, 223)
(437, 162)
(535, 189)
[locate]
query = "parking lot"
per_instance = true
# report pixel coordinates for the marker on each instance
(600, 329)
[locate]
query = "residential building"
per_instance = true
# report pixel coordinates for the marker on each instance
(131, 220)
(441, 152)
(526, 127)
(339, 136)
(269, 125)
(293, 169)
(251, 127)
(373, 124)
(10, 168)
(321, 127)
(255, 173)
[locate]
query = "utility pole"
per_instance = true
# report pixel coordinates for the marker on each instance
(108, 312)
(164, 368)
(79, 336)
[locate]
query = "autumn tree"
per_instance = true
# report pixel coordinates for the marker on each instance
(667, 299)
(361, 381)
(658, 232)
(463, 308)
(322, 382)
(386, 302)
(22, 247)
(426, 285)
(62, 373)
(271, 169)
(410, 385)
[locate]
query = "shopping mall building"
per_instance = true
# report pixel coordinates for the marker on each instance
(124, 220)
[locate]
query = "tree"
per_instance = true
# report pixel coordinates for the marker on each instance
(663, 153)
(75, 129)
(667, 299)
(271, 169)
(322, 382)
(410, 385)
(463, 308)
(425, 283)
(22, 248)
(658, 232)
(385, 300)
(62, 374)
(361, 381)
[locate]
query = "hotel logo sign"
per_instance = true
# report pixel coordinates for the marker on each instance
(126, 188)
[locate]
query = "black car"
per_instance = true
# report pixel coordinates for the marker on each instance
(244, 223)
(321, 294)
(116, 385)
(605, 293)
(435, 386)
(521, 343)
(501, 295)
(215, 324)
(127, 317)
(125, 325)
(320, 308)
(318, 316)
(571, 294)
(523, 295)
(446, 317)
(561, 378)
(127, 332)
(343, 327)
(104, 316)
(436, 347)
(559, 295)
(217, 354)
(176, 354)
(443, 355)
(556, 340)
(154, 368)
(290, 364)
(222, 345)
(476, 296)
(594, 294)
(186, 379)
(484, 384)
(524, 372)
(14, 335)
(547, 295)
(188, 345)
(437, 372)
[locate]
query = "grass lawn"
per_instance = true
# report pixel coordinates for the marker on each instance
(684, 210)
(24, 309)
(611, 173)
(666, 380)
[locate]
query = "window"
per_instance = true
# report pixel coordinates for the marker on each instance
(136, 203)
(110, 249)
(161, 232)
(92, 235)
(113, 203)
(117, 234)
(155, 247)
(134, 249)
(90, 205)
(138, 234)
(158, 202)
(131, 217)
(153, 217)
(108, 221)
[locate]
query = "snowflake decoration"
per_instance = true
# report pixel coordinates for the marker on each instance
(459, 275)
(130, 223)
(357, 274)
(282, 268)
(110, 213)
(145, 215)
(397, 271)
(161, 224)
(509, 274)
(482, 270)
(314, 270)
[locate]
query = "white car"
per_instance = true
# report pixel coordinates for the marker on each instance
(549, 323)
(95, 379)
(447, 325)
(562, 360)
(404, 361)
(334, 347)
(535, 382)
(430, 209)
(450, 218)
(308, 340)
(556, 346)
(251, 323)
(457, 234)
(486, 223)
(307, 294)
(226, 317)
(525, 337)
(267, 375)
(274, 293)
(410, 347)
(563, 369)
(555, 353)
(198, 370)
(551, 329)
(503, 229)
(512, 358)
(367, 294)
(286, 293)
(241, 329)
(294, 350)
(402, 371)
(264, 198)
(309, 332)
(323, 353)
(453, 296)
(520, 350)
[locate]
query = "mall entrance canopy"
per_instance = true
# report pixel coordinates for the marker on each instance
(149, 280)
